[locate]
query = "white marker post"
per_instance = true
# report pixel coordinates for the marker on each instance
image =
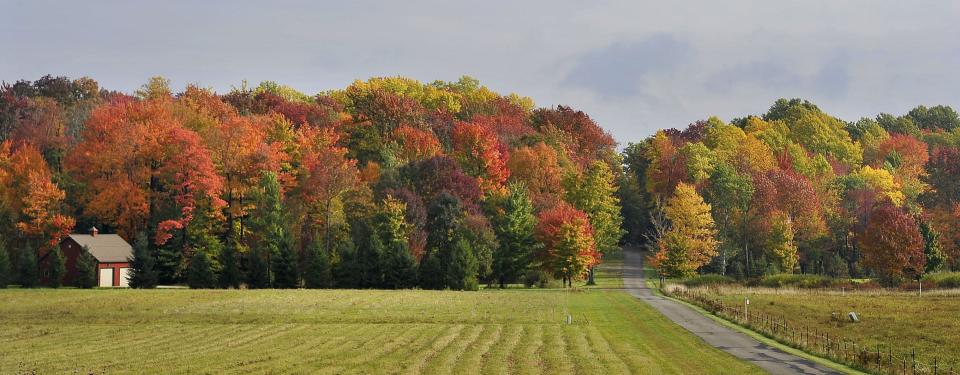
(746, 315)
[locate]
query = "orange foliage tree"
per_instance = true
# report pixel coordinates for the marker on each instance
(568, 250)
(30, 196)
(141, 167)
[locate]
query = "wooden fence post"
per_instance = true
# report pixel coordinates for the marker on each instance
(913, 360)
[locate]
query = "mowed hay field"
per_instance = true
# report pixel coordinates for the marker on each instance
(519, 331)
(892, 319)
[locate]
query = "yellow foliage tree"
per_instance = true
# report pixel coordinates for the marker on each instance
(691, 241)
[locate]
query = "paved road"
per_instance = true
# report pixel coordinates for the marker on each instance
(740, 345)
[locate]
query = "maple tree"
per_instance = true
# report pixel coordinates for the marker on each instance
(481, 155)
(568, 249)
(30, 197)
(138, 160)
(538, 168)
(892, 244)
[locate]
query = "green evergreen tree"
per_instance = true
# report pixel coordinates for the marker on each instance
(431, 274)
(399, 267)
(200, 274)
(6, 269)
(368, 255)
(86, 269)
(56, 268)
(284, 267)
(258, 276)
(461, 266)
(230, 275)
(270, 235)
(346, 272)
(513, 223)
(29, 269)
(317, 274)
(143, 272)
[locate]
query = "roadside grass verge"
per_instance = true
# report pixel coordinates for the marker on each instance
(896, 323)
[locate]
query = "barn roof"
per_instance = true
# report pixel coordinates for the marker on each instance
(107, 248)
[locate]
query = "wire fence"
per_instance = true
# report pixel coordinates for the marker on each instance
(879, 359)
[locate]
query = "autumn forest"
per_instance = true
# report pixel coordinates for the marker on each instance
(393, 183)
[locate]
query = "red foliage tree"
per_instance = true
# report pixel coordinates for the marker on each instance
(587, 140)
(416, 144)
(481, 154)
(892, 244)
(567, 237)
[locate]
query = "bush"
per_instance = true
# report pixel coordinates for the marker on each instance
(943, 280)
(798, 281)
(707, 280)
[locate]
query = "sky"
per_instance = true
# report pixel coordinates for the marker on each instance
(634, 66)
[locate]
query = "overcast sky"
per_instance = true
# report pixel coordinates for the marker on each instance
(633, 66)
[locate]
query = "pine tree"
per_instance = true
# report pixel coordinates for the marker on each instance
(56, 268)
(317, 274)
(461, 270)
(368, 255)
(29, 269)
(399, 267)
(284, 267)
(258, 276)
(6, 270)
(143, 272)
(86, 269)
(271, 238)
(346, 272)
(229, 265)
(431, 273)
(200, 274)
(514, 223)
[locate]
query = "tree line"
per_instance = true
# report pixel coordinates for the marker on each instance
(796, 190)
(387, 183)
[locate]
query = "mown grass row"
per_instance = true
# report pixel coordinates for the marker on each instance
(515, 331)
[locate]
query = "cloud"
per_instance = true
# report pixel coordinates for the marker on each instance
(768, 74)
(619, 69)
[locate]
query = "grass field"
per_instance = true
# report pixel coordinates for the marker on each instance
(899, 320)
(346, 331)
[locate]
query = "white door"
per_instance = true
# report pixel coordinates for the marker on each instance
(124, 277)
(106, 277)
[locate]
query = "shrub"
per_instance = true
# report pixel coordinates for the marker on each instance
(943, 280)
(798, 281)
(535, 277)
(707, 280)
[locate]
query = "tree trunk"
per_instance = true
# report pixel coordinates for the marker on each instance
(590, 280)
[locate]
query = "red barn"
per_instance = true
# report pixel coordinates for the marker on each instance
(110, 250)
